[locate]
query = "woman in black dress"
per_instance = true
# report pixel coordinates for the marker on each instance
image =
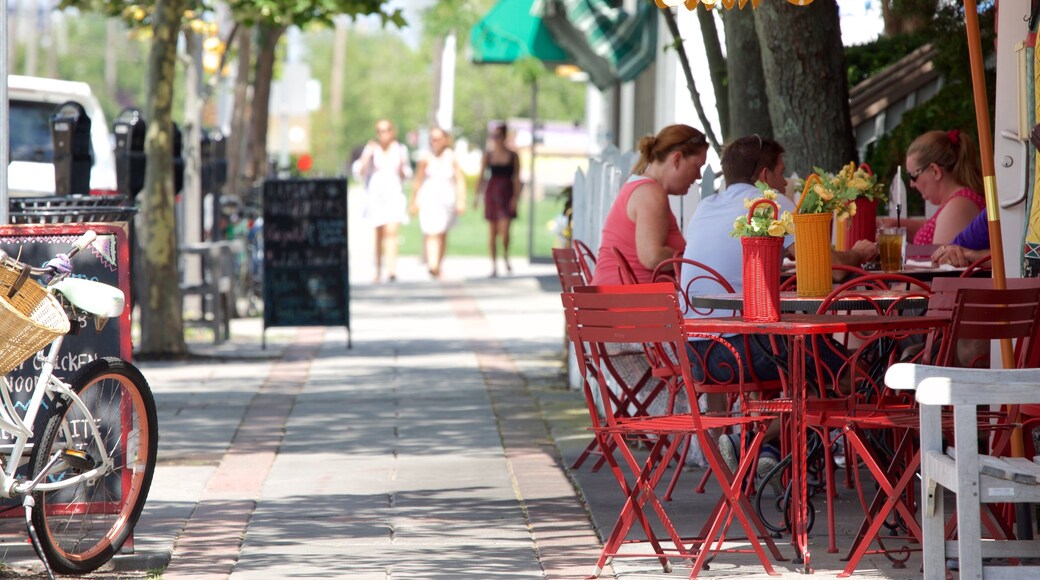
(500, 182)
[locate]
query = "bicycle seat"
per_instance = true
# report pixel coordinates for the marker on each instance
(99, 299)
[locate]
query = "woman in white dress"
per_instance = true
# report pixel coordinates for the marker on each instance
(383, 166)
(439, 195)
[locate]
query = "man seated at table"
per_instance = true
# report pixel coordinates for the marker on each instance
(969, 245)
(745, 161)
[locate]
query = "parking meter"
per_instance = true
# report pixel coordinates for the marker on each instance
(70, 133)
(129, 129)
(218, 159)
(178, 160)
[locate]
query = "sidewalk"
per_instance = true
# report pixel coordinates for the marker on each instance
(435, 448)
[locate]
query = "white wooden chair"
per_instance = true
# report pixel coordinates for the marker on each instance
(974, 478)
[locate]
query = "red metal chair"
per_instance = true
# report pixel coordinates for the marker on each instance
(623, 397)
(860, 372)
(649, 314)
(586, 259)
(568, 268)
(628, 276)
(708, 281)
(978, 313)
(973, 268)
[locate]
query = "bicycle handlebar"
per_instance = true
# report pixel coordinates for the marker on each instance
(79, 245)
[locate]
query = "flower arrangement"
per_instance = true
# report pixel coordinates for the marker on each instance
(761, 219)
(830, 192)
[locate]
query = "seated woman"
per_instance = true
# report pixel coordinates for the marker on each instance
(944, 167)
(640, 223)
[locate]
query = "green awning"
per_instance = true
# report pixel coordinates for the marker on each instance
(608, 43)
(509, 32)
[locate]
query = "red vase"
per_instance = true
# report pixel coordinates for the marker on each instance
(762, 256)
(863, 225)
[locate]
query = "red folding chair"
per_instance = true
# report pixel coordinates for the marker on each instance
(586, 259)
(568, 268)
(649, 314)
(708, 281)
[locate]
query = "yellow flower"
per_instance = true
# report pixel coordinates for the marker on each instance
(859, 183)
(824, 193)
(776, 229)
(851, 208)
(769, 194)
(748, 202)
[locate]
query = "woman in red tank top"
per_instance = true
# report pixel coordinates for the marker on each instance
(944, 167)
(640, 224)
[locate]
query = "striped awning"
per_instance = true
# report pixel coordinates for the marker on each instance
(608, 43)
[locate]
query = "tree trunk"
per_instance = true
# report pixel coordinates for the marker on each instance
(804, 65)
(269, 35)
(162, 325)
(716, 67)
(906, 16)
(748, 104)
(238, 141)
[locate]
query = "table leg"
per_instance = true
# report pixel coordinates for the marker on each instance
(799, 501)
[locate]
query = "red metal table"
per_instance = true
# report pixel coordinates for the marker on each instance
(798, 327)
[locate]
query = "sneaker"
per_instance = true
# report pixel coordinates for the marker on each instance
(768, 458)
(728, 451)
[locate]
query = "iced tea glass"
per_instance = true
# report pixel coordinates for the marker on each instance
(891, 243)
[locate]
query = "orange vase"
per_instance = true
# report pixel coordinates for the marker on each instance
(812, 248)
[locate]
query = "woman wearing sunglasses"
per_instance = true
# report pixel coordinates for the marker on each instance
(944, 167)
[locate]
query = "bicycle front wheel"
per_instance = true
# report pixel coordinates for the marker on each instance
(82, 526)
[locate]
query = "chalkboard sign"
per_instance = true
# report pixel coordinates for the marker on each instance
(306, 277)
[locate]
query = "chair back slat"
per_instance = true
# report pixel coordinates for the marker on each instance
(708, 280)
(567, 268)
(586, 259)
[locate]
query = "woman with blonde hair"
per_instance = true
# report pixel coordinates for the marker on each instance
(944, 167)
(383, 166)
(438, 196)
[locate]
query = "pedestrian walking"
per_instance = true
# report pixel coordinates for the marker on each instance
(438, 197)
(500, 185)
(383, 167)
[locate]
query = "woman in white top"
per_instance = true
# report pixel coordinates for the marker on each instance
(439, 195)
(383, 167)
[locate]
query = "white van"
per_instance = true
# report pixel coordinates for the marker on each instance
(32, 101)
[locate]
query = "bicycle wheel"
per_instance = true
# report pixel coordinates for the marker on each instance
(82, 526)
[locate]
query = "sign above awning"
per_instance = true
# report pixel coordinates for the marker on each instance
(510, 32)
(608, 43)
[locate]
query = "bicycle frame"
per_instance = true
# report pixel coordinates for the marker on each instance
(22, 428)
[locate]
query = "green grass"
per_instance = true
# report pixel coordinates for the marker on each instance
(469, 237)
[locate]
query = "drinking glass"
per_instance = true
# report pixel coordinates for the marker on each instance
(891, 243)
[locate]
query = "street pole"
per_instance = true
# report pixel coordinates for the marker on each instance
(5, 125)
(531, 184)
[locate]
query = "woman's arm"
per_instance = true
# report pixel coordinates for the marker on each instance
(515, 199)
(955, 216)
(648, 208)
(460, 188)
(481, 181)
(420, 175)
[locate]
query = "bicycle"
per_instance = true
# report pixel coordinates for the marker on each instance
(91, 466)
